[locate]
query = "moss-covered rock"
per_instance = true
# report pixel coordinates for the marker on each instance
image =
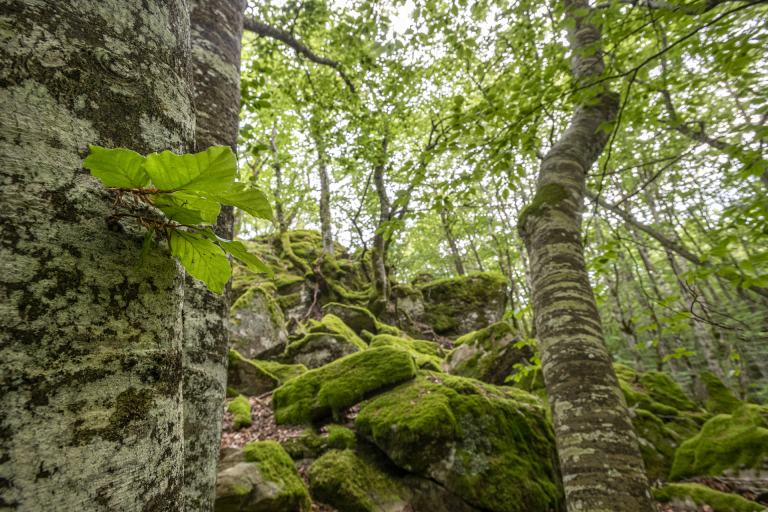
(638, 398)
(715, 396)
(491, 446)
(267, 481)
(464, 304)
(342, 480)
(341, 384)
(661, 388)
(248, 377)
(701, 495)
(657, 444)
(257, 326)
(318, 349)
(332, 324)
(489, 354)
(357, 318)
(624, 372)
(428, 354)
(241, 408)
(727, 443)
(311, 443)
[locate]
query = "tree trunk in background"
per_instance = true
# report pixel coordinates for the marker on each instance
(452, 243)
(282, 226)
(599, 455)
(378, 302)
(625, 323)
(90, 351)
(217, 27)
(325, 202)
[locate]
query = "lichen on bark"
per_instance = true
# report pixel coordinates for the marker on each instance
(90, 351)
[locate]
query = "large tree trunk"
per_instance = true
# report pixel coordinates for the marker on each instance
(217, 27)
(599, 455)
(90, 351)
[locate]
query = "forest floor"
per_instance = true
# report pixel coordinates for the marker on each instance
(264, 428)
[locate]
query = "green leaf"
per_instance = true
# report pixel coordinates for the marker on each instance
(251, 200)
(211, 171)
(209, 210)
(145, 248)
(202, 258)
(174, 209)
(117, 167)
(239, 251)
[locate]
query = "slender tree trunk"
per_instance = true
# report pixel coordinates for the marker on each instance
(451, 242)
(599, 455)
(325, 202)
(625, 323)
(472, 244)
(282, 226)
(378, 302)
(216, 30)
(90, 350)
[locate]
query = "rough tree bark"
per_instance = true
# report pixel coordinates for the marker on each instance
(282, 226)
(325, 201)
(90, 351)
(598, 450)
(216, 30)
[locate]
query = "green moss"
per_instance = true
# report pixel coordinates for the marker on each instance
(249, 376)
(447, 301)
(657, 444)
(425, 352)
(308, 445)
(484, 337)
(718, 501)
(334, 325)
(287, 302)
(502, 446)
(357, 318)
(241, 408)
(341, 384)
(725, 442)
(299, 346)
(231, 393)
(283, 372)
(341, 437)
(643, 401)
(719, 399)
(663, 389)
(345, 482)
(624, 372)
(276, 466)
(547, 196)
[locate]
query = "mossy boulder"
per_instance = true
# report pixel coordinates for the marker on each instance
(715, 396)
(727, 444)
(358, 319)
(337, 386)
(428, 354)
(257, 326)
(636, 397)
(624, 372)
(458, 306)
(699, 495)
(267, 481)
(489, 354)
(312, 443)
(325, 342)
(342, 480)
(657, 444)
(491, 446)
(248, 377)
(661, 388)
(241, 408)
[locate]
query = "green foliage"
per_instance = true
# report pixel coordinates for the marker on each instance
(188, 190)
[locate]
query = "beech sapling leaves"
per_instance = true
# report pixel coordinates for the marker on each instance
(189, 191)
(117, 167)
(213, 170)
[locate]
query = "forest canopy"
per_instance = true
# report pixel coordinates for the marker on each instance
(426, 124)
